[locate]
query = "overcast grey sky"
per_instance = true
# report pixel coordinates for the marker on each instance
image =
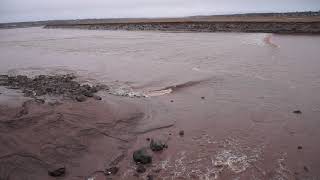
(33, 10)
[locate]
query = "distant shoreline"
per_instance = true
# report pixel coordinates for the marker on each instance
(254, 27)
(297, 22)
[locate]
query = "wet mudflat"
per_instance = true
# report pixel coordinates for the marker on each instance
(247, 104)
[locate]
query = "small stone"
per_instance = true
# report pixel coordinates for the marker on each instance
(148, 139)
(97, 97)
(150, 177)
(140, 168)
(40, 77)
(297, 112)
(171, 101)
(299, 147)
(157, 145)
(218, 165)
(202, 97)
(48, 90)
(306, 168)
(112, 171)
(142, 156)
(58, 172)
(181, 133)
(156, 170)
(87, 93)
(81, 98)
(40, 92)
(29, 93)
(40, 101)
(93, 89)
(85, 86)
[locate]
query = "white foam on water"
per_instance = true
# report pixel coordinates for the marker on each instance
(158, 93)
(255, 39)
(282, 172)
(206, 164)
(234, 161)
(121, 91)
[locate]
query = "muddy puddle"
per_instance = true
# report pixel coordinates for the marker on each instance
(248, 105)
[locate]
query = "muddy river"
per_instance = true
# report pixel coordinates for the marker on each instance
(233, 95)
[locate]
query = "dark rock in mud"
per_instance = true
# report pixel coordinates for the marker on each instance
(148, 139)
(58, 172)
(299, 147)
(297, 112)
(57, 85)
(97, 97)
(29, 93)
(93, 89)
(181, 133)
(141, 168)
(87, 93)
(157, 145)
(156, 170)
(40, 101)
(142, 156)
(112, 171)
(305, 168)
(150, 177)
(81, 98)
(220, 166)
(202, 97)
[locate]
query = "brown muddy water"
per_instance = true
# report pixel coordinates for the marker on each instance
(233, 94)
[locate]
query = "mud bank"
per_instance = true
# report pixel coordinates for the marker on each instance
(81, 137)
(260, 27)
(46, 131)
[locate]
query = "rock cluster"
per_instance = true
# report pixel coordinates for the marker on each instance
(58, 85)
(143, 155)
(157, 145)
